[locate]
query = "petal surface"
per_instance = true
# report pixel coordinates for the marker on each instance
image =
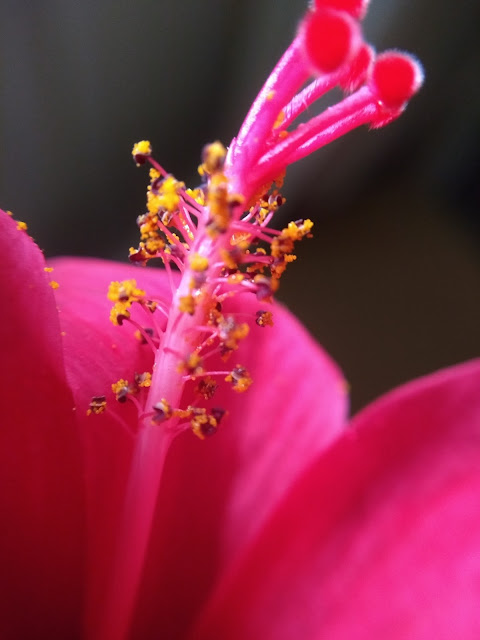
(380, 538)
(41, 471)
(218, 493)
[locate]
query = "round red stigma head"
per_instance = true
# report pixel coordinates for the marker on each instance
(356, 8)
(331, 39)
(358, 70)
(396, 77)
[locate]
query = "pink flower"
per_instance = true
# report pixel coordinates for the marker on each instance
(288, 523)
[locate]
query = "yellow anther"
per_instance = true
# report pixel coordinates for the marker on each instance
(143, 380)
(119, 313)
(163, 411)
(203, 424)
(121, 389)
(197, 195)
(207, 387)
(21, 226)
(264, 319)
(270, 95)
(141, 150)
(54, 284)
(48, 269)
(240, 379)
(98, 404)
(213, 156)
(186, 304)
(169, 196)
(217, 201)
(198, 262)
(191, 365)
(125, 292)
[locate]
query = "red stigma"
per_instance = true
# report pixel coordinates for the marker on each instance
(330, 39)
(356, 8)
(396, 76)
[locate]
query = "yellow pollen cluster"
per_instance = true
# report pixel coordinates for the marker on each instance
(98, 405)
(54, 284)
(264, 319)
(230, 333)
(141, 150)
(283, 245)
(165, 196)
(207, 387)
(203, 424)
(198, 262)
(123, 294)
(192, 365)
(163, 411)
(186, 304)
(240, 379)
(121, 389)
(143, 380)
(213, 156)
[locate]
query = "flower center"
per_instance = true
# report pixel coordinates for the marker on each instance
(221, 252)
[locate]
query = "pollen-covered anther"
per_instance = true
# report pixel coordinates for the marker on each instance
(192, 365)
(125, 291)
(204, 424)
(122, 389)
(198, 262)
(240, 379)
(207, 387)
(98, 405)
(119, 313)
(218, 205)
(264, 318)
(230, 333)
(186, 304)
(143, 380)
(213, 158)
(123, 294)
(141, 151)
(168, 196)
(265, 287)
(146, 331)
(162, 411)
(231, 257)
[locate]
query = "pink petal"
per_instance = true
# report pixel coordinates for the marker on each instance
(380, 538)
(219, 492)
(41, 484)
(97, 353)
(216, 493)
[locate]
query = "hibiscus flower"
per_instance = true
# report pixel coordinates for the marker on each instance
(123, 518)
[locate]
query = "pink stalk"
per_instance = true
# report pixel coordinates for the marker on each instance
(287, 77)
(312, 92)
(354, 111)
(134, 535)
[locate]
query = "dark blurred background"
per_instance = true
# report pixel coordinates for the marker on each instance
(390, 282)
